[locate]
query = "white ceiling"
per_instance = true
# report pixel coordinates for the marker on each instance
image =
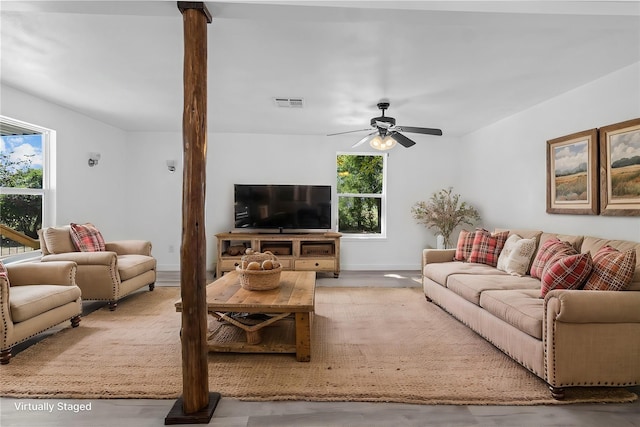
(454, 65)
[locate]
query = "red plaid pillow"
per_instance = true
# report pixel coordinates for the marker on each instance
(569, 272)
(87, 238)
(550, 250)
(612, 270)
(486, 248)
(465, 243)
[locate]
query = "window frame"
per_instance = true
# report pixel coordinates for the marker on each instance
(48, 190)
(382, 196)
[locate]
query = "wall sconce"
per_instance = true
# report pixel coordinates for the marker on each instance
(93, 159)
(171, 165)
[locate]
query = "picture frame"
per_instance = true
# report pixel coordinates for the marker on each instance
(620, 168)
(572, 174)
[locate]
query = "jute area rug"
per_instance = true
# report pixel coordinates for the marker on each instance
(368, 344)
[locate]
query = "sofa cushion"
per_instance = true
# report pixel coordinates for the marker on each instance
(612, 269)
(593, 244)
(550, 251)
(58, 240)
(465, 243)
(87, 238)
(516, 255)
(520, 308)
(486, 248)
(134, 265)
(569, 272)
(28, 301)
(439, 272)
(470, 287)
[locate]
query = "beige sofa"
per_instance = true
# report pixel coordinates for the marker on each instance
(571, 338)
(122, 268)
(35, 298)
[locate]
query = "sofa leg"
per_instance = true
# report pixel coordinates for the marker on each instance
(557, 392)
(428, 299)
(5, 356)
(75, 321)
(152, 286)
(113, 305)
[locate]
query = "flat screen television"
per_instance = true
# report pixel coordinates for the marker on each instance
(282, 208)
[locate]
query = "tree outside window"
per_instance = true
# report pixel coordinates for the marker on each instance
(361, 195)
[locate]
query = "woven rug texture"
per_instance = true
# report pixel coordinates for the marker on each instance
(368, 344)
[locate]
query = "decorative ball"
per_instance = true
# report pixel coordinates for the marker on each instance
(254, 265)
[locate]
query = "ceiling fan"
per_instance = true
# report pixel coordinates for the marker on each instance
(387, 133)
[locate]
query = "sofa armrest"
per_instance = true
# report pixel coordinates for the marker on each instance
(5, 312)
(84, 258)
(579, 306)
(50, 273)
(431, 256)
(129, 247)
(591, 338)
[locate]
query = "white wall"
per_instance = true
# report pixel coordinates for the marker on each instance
(155, 199)
(507, 160)
(84, 194)
(500, 169)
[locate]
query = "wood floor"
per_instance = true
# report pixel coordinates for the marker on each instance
(234, 413)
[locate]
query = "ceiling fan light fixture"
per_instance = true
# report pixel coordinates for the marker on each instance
(382, 144)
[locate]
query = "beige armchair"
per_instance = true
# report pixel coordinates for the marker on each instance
(122, 268)
(35, 297)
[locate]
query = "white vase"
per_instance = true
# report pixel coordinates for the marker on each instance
(440, 241)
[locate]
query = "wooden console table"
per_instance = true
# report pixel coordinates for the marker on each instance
(290, 308)
(297, 252)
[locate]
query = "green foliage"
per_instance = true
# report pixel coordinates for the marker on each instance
(21, 212)
(359, 215)
(444, 212)
(627, 161)
(359, 174)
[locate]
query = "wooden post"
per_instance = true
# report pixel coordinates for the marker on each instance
(196, 404)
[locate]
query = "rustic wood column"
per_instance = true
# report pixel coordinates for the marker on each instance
(196, 404)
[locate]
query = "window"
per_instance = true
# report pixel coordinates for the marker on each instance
(361, 188)
(24, 184)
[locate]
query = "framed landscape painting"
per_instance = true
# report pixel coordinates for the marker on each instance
(620, 168)
(572, 174)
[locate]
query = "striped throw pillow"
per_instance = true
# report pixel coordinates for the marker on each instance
(465, 243)
(568, 272)
(486, 248)
(550, 250)
(612, 269)
(87, 238)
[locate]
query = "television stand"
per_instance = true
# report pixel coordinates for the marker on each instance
(297, 252)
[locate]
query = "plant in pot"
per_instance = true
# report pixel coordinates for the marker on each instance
(444, 212)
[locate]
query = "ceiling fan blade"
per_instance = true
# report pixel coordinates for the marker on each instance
(363, 140)
(402, 140)
(426, 131)
(349, 131)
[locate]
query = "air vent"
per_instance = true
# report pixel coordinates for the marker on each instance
(289, 102)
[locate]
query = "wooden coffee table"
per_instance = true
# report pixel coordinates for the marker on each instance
(286, 327)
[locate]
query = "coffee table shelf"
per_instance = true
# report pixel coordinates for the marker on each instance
(295, 297)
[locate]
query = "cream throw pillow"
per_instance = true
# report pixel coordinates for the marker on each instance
(516, 255)
(58, 240)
